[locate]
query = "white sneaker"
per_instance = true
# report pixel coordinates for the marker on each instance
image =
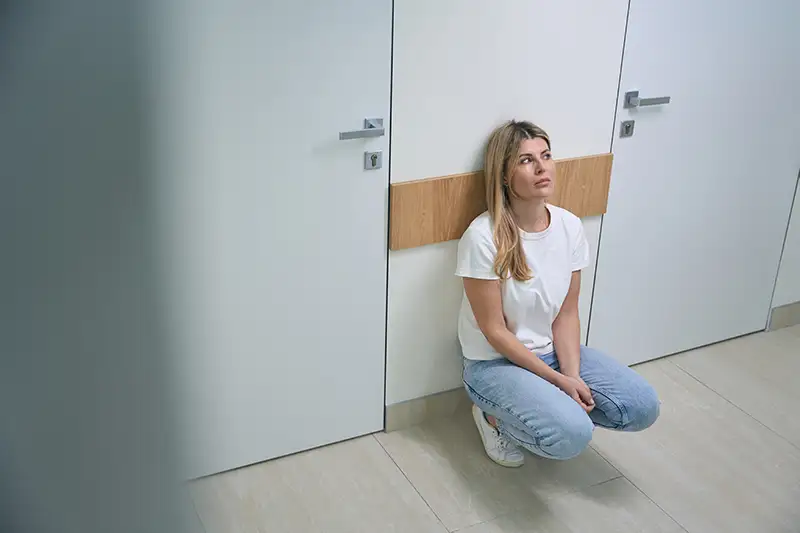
(498, 448)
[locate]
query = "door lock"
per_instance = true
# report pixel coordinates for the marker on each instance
(626, 128)
(373, 160)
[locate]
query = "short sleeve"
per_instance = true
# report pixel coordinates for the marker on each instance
(580, 248)
(476, 253)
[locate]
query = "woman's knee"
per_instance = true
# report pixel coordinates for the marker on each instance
(642, 409)
(567, 439)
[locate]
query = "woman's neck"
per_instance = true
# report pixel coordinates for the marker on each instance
(531, 215)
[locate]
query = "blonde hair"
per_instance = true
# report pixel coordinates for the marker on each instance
(500, 162)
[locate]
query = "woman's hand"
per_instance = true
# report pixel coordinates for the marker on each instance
(577, 390)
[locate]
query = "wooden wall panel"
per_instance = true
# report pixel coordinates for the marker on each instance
(440, 209)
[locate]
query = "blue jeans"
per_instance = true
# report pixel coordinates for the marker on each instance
(541, 418)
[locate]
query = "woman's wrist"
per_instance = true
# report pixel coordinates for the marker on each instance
(557, 378)
(571, 372)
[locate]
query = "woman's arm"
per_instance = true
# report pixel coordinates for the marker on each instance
(486, 302)
(567, 340)
(567, 330)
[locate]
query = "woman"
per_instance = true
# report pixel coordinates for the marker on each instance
(532, 383)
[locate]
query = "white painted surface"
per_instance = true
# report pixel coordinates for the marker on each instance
(700, 194)
(460, 69)
(276, 235)
(423, 354)
(591, 226)
(787, 289)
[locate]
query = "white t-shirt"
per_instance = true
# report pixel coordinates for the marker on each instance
(529, 306)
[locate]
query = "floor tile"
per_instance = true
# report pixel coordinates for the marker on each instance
(758, 373)
(194, 523)
(446, 463)
(190, 520)
(348, 487)
(710, 466)
(611, 507)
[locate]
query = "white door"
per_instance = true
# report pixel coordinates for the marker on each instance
(700, 194)
(275, 234)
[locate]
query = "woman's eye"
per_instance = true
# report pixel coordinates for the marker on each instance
(525, 160)
(547, 156)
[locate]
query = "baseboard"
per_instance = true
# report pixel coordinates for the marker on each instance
(414, 412)
(784, 316)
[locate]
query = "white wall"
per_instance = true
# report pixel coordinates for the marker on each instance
(787, 288)
(461, 67)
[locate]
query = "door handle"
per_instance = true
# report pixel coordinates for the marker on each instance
(632, 100)
(373, 127)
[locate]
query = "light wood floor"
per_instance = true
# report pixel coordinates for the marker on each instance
(724, 457)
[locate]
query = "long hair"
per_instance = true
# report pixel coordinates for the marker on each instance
(500, 162)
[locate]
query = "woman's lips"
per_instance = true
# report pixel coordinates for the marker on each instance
(542, 182)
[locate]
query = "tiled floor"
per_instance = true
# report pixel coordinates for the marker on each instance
(724, 457)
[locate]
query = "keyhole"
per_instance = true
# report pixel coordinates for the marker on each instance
(374, 159)
(627, 128)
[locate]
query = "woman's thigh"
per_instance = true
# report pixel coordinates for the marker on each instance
(624, 400)
(531, 411)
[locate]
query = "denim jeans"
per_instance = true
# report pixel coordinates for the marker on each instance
(541, 418)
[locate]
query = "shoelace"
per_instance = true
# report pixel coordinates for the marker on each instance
(504, 443)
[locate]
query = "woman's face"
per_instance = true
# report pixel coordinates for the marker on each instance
(535, 171)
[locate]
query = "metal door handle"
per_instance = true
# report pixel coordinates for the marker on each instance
(632, 100)
(373, 127)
